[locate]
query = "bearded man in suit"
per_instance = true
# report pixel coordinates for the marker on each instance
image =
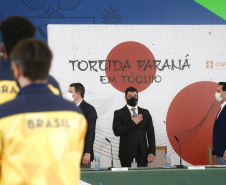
(135, 128)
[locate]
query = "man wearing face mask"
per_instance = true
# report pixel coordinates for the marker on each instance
(219, 129)
(76, 94)
(135, 128)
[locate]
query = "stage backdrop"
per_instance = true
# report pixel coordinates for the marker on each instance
(174, 67)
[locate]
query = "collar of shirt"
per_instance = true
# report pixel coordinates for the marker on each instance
(79, 103)
(32, 87)
(222, 105)
(6, 60)
(130, 107)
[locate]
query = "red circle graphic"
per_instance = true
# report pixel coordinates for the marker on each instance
(130, 64)
(190, 117)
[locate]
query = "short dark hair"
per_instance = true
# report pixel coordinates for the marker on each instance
(14, 29)
(224, 85)
(79, 88)
(33, 57)
(130, 89)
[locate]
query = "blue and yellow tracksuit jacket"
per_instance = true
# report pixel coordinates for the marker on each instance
(9, 87)
(41, 139)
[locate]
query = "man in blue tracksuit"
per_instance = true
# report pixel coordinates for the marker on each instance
(15, 29)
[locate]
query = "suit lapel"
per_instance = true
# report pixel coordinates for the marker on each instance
(221, 113)
(126, 110)
(81, 104)
(217, 117)
(139, 110)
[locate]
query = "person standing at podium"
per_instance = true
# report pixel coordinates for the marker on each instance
(219, 129)
(135, 128)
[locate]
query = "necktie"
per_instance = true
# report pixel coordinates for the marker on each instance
(134, 112)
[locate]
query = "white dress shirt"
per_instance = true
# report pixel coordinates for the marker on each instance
(79, 103)
(130, 107)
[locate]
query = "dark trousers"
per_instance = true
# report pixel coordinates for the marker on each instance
(140, 159)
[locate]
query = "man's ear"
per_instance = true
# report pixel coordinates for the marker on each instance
(125, 97)
(17, 72)
(224, 92)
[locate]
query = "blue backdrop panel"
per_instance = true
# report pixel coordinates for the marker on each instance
(43, 12)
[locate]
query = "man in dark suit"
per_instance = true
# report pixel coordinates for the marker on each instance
(76, 94)
(219, 129)
(135, 128)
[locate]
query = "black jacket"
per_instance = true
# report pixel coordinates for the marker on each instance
(219, 134)
(132, 135)
(91, 116)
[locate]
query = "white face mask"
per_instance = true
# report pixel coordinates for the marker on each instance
(218, 97)
(69, 97)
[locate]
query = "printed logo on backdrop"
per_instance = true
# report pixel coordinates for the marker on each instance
(49, 14)
(130, 64)
(62, 12)
(51, 7)
(216, 65)
(111, 16)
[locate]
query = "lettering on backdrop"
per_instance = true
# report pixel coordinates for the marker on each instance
(141, 65)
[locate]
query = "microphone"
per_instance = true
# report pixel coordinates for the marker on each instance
(179, 166)
(111, 154)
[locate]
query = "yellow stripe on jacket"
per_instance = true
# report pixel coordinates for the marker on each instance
(8, 90)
